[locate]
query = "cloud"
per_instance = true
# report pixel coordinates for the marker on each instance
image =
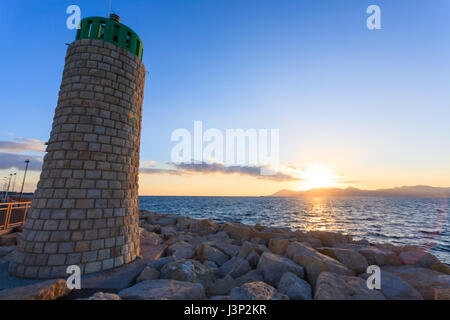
(19, 145)
(211, 168)
(148, 164)
(160, 171)
(12, 160)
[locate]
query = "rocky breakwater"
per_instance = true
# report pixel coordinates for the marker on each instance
(202, 259)
(231, 261)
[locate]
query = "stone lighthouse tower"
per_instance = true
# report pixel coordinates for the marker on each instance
(85, 208)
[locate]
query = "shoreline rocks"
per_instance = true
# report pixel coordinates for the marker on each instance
(426, 281)
(186, 258)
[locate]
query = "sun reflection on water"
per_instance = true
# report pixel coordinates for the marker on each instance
(318, 216)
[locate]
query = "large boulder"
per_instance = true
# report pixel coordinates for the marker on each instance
(380, 256)
(256, 291)
(390, 247)
(168, 232)
(412, 255)
(253, 259)
(181, 250)
(422, 279)
(273, 266)
(279, 246)
(332, 286)
(183, 223)
(152, 252)
(150, 238)
(219, 236)
(227, 248)
(329, 239)
(220, 286)
(441, 267)
(308, 238)
(203, 227)
(161, 262)
(395, 288)
(258, 240)
(151, 227)
(114, 279)
(247, 247)
(294, 287)
(314, 262)
(313, 242)
(235, 267)
(348, 257)
(243, 232)
(148, 274)
(188, 270)
(239, 231)
(205, 252)
(45, 290)
(164, 290)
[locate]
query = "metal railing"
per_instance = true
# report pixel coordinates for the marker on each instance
(13, 214)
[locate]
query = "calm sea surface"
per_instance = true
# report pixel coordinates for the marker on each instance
(416, 221)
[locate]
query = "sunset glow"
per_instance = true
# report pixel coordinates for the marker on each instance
(317, 176)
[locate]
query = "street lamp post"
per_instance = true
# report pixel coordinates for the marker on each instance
(13, 189)
(9, 184)
(23, 182)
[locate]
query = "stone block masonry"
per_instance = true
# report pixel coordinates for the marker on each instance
(85, 208)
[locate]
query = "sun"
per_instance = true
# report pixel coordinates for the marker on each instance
(318, 176)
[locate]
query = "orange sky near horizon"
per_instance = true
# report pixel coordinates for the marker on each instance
(217, 184)
(238, 185)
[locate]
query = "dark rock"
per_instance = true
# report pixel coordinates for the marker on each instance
(352, 259)
(234, 267)
(164, 290)
(314, 262)
(294, 287)
(273, 267)
(206, 252)
(332, 286)
(188, 270)
(251, 276)
(148, 274)
(395, 288)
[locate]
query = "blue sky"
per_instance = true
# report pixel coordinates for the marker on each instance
(371, 105)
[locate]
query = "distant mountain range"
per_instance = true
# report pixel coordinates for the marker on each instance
(411, 191)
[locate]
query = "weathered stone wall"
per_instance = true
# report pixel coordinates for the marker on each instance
(85, 209)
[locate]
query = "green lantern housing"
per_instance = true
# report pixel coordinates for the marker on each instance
(111, 30)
